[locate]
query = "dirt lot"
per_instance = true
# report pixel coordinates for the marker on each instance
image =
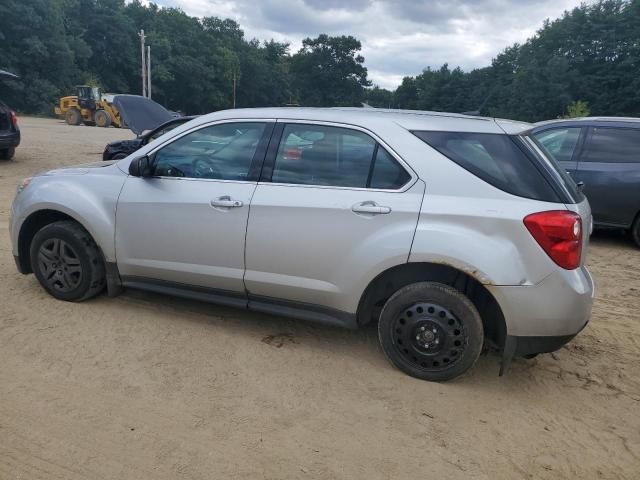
(147, 387)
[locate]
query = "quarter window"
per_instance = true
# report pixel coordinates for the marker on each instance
(497, 159)
(332, 156)
(559, 143)
(223, 152)
(386, 173)
(613, 145)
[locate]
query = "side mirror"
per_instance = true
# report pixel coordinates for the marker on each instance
(140, 167)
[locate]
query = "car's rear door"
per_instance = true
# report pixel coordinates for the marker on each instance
(609, 167)
(185, 226)
(334, 207)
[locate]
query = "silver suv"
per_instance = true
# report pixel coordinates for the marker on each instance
(446, 230)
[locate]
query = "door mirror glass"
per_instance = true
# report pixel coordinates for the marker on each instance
(140, 167)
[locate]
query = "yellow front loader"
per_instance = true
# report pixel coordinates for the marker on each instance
(90, 107)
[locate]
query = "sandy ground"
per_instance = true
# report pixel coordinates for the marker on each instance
(147, 387)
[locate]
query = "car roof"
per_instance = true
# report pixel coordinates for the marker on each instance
(632, 122)
(409, 119)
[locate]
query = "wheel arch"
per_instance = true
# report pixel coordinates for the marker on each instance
(32, 224)
(394, 278)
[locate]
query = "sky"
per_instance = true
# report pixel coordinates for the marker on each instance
(399, 37)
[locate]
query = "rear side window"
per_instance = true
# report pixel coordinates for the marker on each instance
(613, 145)
(333, 156)
(495, 158)
(559, 143)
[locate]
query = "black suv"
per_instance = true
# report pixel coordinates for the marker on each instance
(124, 148)
(9, 131)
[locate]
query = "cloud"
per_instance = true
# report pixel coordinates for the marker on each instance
(399, 37)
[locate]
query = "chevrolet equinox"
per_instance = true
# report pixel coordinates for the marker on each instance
(447, 230)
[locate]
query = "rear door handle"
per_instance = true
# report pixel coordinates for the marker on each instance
(226, 202)
(371, 208)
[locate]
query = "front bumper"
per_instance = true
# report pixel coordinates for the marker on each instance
(558, 306)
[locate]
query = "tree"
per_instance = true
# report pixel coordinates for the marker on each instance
(577, 109)
(379, 97)
(329, 71)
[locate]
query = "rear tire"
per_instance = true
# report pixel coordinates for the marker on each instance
(73, 117)
(102, 118)
(67, 262)
(7, 153)
(431, 331)
(635, 231)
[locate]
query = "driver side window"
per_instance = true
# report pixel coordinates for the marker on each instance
(221, 152)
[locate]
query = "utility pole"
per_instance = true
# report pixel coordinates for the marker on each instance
(144, 63)
(148, 71)
(234, 89)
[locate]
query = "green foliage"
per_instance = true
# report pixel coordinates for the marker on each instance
(591, 53)
(578, 109)
(329, 71)
(587, 60)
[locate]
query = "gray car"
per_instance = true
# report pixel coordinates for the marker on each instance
(449, 231)
(602, 154)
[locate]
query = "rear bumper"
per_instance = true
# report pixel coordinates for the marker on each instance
(9, 139)
(533, 345)
(549, 313)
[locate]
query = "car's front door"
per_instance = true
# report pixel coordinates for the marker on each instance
(562, 144)
(186, 224)
(334, 208)
(609, 167)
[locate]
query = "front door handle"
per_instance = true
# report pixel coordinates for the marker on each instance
(226, 202)
(371, 208)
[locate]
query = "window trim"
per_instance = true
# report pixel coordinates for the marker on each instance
(276, 139)
(257, 160)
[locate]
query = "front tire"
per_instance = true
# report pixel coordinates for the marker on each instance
(431, 331)
(67, 262)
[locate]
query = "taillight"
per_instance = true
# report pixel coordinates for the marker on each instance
(14, 119)
(559, 233)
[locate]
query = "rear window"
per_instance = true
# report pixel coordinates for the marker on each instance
(495, 158)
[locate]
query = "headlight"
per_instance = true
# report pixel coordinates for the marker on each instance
(23, 184)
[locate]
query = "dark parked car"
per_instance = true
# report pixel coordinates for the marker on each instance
(124, 148)
(9, 131)
(603, 154)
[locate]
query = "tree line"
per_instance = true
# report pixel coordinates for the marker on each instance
(589, 55)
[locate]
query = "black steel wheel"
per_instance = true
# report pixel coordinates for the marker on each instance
(67, 262)
(431, 331)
